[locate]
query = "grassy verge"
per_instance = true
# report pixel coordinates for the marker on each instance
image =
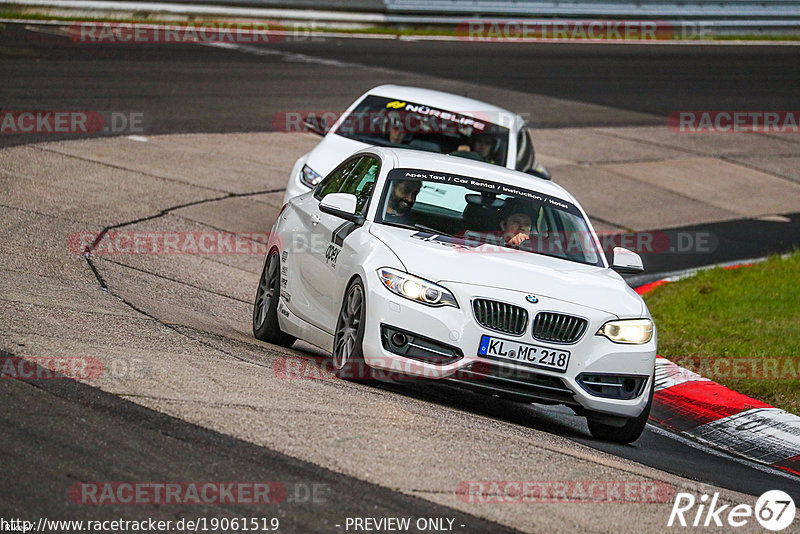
(739, 327)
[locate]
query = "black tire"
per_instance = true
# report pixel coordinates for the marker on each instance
(348, 350)
(265, 307)
(630, 431)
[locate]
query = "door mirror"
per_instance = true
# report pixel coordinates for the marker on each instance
(539, 171)
(341, 205)
(626, 261)
(317, 125)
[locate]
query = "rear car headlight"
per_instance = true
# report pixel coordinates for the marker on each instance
(416, 289)
(309, 176)
(632, 331)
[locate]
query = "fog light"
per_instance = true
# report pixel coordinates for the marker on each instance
(399, 339)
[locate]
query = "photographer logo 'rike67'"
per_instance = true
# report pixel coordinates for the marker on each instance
(774, 510)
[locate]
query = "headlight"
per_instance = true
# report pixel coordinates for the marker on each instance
(633, 331)
(309, 176)
(416, 289)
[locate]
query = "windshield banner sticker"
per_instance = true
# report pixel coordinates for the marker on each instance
(484, 186)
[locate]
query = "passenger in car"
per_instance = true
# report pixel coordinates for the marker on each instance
(397, 133)
(401, 199)
(396, 136)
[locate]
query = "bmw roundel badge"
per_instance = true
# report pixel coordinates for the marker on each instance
(532, 299)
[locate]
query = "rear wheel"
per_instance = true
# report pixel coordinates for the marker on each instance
(627, 433)
(348, 352)
(265, 308)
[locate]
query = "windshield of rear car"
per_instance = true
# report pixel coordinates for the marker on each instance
(485, 216)
(384, 121)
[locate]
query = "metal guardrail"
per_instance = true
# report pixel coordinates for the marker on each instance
(370, 6)
(673, 9)
(680, 9)
(713, 17)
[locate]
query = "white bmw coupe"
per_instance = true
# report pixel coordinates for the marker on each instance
(415, 264)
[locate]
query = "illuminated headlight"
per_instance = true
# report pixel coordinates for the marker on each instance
(633, 331)
(416, 289)
(309, 176)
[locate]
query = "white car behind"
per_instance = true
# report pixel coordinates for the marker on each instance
(432, 121)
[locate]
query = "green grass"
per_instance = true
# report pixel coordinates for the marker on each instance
(749, 317)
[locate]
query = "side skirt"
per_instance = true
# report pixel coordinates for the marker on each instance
(294, 325)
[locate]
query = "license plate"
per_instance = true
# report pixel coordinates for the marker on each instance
(523, 353)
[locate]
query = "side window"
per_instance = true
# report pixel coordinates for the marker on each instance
(525, 156)
(547, 221)
(355, 176)
(335, 180)
(361, 181)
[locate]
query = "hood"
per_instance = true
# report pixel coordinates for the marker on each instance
(331, 151)
(434, 259)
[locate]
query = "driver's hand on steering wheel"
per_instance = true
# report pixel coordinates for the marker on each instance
(518, 239)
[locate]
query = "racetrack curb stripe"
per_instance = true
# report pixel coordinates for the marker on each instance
(651, 286)
(686, 406)
(701, 409)
(791, 465)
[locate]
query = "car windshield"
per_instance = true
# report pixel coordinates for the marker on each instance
(401, 124)
(485, 215)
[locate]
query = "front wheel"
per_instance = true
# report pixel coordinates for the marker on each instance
(630, 431)
(348, 351)
(265, 308)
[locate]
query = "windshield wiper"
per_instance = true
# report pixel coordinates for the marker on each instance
(428, 229)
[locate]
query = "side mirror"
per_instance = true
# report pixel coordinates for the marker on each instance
(626, 261)
(539, 171)
(318, 126)
(341, 205)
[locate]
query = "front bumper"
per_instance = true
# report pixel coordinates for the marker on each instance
(447, 341)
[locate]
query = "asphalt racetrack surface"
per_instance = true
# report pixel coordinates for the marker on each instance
(50, 428)
(652, 79)
(158, 447)
(177, 88)
(186, 88)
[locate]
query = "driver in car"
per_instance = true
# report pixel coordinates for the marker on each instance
(480, 144)
(516, 228)
(515, 224)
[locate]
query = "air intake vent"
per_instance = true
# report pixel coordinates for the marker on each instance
(500, 316)
(558, 328)
(613, 386)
